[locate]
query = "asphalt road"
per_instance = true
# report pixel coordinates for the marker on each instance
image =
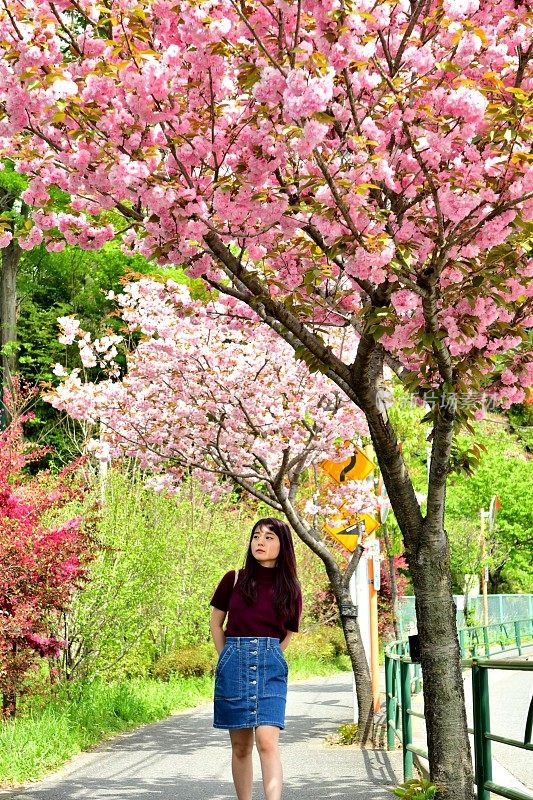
(184, 758)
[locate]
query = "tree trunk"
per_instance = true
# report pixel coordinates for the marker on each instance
(8, 316)
(427, 551)
(444, 706)
(393, 583)
(356, 651)
(444, 709)
(348, 615)
(363, 683)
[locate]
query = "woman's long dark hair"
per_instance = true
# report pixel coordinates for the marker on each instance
(286, 586)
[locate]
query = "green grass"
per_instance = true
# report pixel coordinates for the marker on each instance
(79, 716)
(49, 731)
(308, 666)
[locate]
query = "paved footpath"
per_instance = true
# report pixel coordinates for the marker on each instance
(184, 758)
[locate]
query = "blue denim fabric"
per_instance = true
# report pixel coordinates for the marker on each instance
(250, 683)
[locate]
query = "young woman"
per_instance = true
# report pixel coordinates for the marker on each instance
(262, 604)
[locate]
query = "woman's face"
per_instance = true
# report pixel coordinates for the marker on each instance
(265, 546)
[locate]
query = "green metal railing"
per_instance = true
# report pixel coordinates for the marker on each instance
(482, 735)
(493, 640)
(403, 679)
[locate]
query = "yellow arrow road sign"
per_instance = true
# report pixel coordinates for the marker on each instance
(355, 468)
(345, 531)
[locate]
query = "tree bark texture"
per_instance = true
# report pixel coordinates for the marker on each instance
(393, 583)
(444, 709)
(8, 311)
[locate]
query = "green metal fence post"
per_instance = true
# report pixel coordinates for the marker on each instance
(397, 695)
(518, 637)
(407, 731)
(462, 643)
(486, 641)
(482, 745)
(390, 699)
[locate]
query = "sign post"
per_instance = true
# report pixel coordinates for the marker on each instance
(348, 529)
(482, 515)
(361, 598)
(490, 515)
(373, 588)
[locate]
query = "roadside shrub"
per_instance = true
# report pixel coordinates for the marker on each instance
(349, 733)
(150, 583)
(191, 661)
(336, 637)
(324, 642)
(417, 789)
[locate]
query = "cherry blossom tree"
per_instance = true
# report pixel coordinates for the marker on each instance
(211, 391)
(360, 163)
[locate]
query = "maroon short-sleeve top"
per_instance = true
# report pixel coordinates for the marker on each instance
(259, 618)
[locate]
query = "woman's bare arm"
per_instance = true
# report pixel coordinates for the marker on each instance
(218, 618)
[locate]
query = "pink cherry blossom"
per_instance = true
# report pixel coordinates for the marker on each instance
(209, 388)
(5, 238)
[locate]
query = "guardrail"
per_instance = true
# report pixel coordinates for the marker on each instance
(495, 639)
(482, 735)
(403, 679)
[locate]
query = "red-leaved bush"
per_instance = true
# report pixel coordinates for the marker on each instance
(40, 566)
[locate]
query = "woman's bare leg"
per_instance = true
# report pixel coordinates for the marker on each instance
(267, 743)
(242, 742)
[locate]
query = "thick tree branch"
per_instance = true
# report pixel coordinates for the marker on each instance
(442, 354)
(415, 15)
(277, 311)
(351, 569)
(368, 374)
(438, 473)
(341, 205)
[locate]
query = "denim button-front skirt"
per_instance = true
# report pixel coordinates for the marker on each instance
(250, 683)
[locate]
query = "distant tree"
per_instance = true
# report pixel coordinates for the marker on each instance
(13, 214)
(504, 470)
(211, 391)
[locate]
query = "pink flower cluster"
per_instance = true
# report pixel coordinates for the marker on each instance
(336, 151)
(208, 388)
